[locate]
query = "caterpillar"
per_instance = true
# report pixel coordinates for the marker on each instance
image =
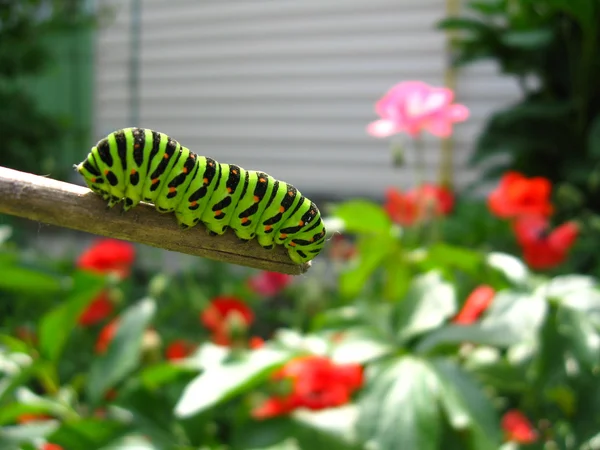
(137, 164)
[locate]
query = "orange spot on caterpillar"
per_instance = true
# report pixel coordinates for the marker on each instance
(268, 227)
(290, 193)
(205, 181)
(244, 219)
(301, 223)
(133, 171)
(235, 172)
(261, 180)
(217, 213)
(155, 180)
(136, 145)
(256, 199)
(93, 180)
(106, 171)
(281, 209)
(194, 203)
(292, 244)
(166, 156)
(184, 170)
(172, 189)
(282, 236)
(229, 190)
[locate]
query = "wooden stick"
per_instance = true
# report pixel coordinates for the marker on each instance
(71, 206)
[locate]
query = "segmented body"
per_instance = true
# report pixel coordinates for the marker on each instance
(136, 164)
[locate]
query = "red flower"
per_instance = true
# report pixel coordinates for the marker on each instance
(26, 334)
(477, 302)
(226, 316)
(316, 383)
(418, 205)
(97, 310)
(50, 446)
(517, 195)
(106, 336)
(542, 248)
(269, 283)
(256, 342)
(179, 349)
(107, 256)
(32, 417)
(518, 428)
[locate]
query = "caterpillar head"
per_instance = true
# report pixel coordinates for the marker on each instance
(92, 176)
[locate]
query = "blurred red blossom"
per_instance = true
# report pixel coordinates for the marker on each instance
(315, 383)
(32, 417)
(100, 308)
(517, 195)
(256, 342)
(106, 336)
(26, 334)
(420, 204)
(518, 428)
(477, 302)
(543, 248)
(269, 283)
(51, 446)
(108, 256)
(226, 316)
(179, 349)
(413, 106)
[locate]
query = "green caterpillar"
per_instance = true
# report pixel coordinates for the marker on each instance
(138, 164)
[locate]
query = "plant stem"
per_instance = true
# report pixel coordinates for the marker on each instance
(420, 160)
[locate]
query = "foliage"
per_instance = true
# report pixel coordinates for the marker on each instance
(28, 29)
(551, 48)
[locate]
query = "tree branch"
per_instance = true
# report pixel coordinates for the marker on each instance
(71, 206)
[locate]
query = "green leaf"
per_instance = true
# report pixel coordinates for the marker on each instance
(88, 434)
(428, 303)
(581, 335)
(158, 375)
(360, 345)
(464, 24)
(124, 351)
(527, 39)
(459, 334)
(398, 275)
(221, 383)
(468, 410)
(29, 282)
(330, 429)
(446, 255)
(363, 217)
(488, 7)
(57, 325)
(16, 436)
(399, 407)
(372, 252)
(512, 268)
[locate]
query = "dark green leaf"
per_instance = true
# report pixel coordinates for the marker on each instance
(363, 217)
(467, 408)
(446, 255)
(428, 303)
(57, 325)
(454, 335)
(527, 39)
(124, 351)
(399, 407)
(593, 149)
(464, 24)
(220, 383)
(87, 434)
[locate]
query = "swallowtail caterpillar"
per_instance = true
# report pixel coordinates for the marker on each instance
(137, 164)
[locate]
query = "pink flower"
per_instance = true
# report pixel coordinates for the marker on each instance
(413, 106)
(269, 283)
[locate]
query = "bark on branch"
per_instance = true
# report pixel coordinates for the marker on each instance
(71, 206)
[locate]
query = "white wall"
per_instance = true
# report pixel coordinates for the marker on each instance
(286, 87)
